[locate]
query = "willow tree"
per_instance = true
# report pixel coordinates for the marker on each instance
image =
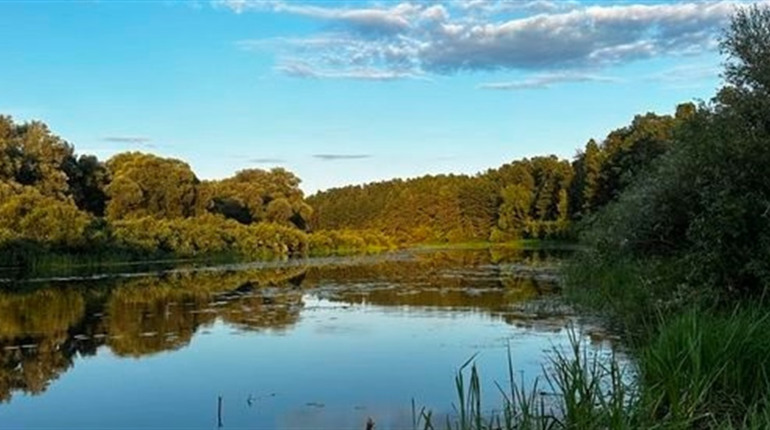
(148, 185)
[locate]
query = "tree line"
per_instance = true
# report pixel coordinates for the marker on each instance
(535, 197)
(138, 205)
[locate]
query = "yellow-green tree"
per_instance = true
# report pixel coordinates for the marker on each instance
(28, 214)
(31, 155)
(256, 195)
(148, 185)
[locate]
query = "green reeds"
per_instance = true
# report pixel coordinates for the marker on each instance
(708, 368)
(700, 370)
(592, 390)
(587, 390)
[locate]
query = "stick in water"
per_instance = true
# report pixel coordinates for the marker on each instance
(219, 412)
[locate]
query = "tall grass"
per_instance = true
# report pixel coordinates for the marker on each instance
(705, 368)
(703, 360)
(699, 370)
(580, 388)
(633, 295)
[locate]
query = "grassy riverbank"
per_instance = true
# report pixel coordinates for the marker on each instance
(687, 360)
(30, 259)
(698, 371)
(678, 264)
(700, 361)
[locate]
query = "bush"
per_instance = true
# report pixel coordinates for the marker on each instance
(209, 234)
(347, 241)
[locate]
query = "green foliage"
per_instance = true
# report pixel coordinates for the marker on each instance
(632, 293)
(143, 206)
(746, 46)
(582, 390)
(87, 179)
(523, 199)
(30, 215)
(681, 258)
(514, 210)
(700, 371)
(208, 234)
(257, 195)
(326, 242)
(706, 201)
(31, 155)
(146, 185)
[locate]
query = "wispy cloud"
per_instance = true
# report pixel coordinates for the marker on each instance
(301, 69)
(496, 7)
(335, 157)
(127, 139)
(547, 80)
(267, 160)
(368, 20)
(387, 41)
(687, 73)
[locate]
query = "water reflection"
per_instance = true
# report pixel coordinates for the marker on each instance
(46, 326)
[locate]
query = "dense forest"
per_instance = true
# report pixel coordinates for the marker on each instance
(138, 205)
(529, 198)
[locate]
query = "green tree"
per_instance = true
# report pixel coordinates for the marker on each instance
(249, 196)
(147, 185)
(585, 184)
(478, 206)
(31, 215)
(31, 155)
(706, 202)
(514, 210)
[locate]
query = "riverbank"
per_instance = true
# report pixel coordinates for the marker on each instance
(701, 361)
(680, 360)
(31, 260)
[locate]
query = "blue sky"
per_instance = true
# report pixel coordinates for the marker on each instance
(350, 92)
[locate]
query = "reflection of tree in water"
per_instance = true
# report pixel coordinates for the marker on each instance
(42, 330)
(442, 269)
(260, 309)
(35, 346)
(145, 319)
(493, 299)
(453, 278)
(498, 282)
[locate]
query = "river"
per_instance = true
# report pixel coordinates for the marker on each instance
(300, 344)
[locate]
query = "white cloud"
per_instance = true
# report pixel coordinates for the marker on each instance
(127, 139)
(407, 40)
(547, 80)
(687, 76)
(300, 69)
(337, 157)
(436, 13)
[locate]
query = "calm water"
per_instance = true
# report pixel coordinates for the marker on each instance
(320, 343)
